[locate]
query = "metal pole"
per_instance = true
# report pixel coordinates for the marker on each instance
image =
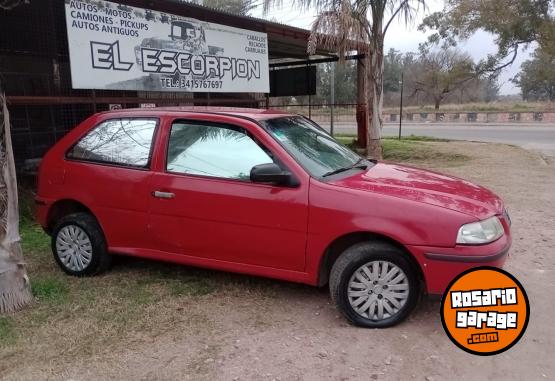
(332, 96)
(308, 87)
(93, 93)
(401, 106)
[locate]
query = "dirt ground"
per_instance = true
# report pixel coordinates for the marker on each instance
(282, 331)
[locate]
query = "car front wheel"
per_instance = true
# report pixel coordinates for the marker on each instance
(374, 285)
(79, 246)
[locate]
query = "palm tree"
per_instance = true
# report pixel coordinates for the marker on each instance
(15, 290)
(348, 25)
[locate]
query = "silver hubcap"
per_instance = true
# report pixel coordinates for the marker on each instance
(378, 290)
(74, 247)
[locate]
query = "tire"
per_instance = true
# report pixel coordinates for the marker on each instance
(352, 287)
(79, 246)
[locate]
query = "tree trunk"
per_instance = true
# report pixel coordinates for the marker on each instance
(375, 96)
(15, 288)
(437, 103)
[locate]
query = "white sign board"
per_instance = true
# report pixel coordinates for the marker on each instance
(117, 47)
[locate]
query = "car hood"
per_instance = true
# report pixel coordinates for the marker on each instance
(427, 187)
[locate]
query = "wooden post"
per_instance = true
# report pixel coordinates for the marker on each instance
(362, 104)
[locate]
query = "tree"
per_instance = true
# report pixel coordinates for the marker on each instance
(348, 25)
(15, 290)
(345, 82)
(421, 83)
(489, 89)
(393, 67)
(514, 23)
(537, 77)
(441, 72)
(239, 7)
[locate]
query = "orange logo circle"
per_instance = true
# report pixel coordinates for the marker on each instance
(485, 311)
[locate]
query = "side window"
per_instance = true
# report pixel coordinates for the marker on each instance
(214, 151)
(124, 142)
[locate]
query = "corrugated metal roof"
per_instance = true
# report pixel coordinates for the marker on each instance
(246, 17)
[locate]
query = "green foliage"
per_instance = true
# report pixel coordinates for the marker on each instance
(514, 23)
(438, 73)
(537, 77)
(345, 82)
(393, 67)
(435, 76)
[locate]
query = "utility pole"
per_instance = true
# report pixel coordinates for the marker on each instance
(332, 96)
(401, 106)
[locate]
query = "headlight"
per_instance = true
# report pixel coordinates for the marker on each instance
(480, 232)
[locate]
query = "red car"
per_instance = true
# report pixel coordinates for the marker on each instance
(265, 193)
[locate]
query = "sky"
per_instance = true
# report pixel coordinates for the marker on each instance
(407, 38)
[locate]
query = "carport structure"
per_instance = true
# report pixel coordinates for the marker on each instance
(35, 72)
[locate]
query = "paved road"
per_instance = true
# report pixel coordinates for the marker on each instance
(529, 136)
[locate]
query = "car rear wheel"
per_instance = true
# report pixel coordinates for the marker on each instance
(374, 285)
(79, 246)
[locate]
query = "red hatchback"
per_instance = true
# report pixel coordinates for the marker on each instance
(265, 193)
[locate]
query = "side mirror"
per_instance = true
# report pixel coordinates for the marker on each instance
(271, 173)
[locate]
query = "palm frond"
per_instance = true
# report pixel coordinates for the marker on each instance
(407, 10)
(342, 28)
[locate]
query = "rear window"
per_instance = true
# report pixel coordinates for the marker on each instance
(126, 142)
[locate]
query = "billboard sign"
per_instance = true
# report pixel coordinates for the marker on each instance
(117, 47)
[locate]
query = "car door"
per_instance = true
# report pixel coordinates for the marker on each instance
(108, 169)
(204, 204)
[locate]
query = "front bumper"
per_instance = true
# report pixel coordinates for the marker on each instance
(441, 265)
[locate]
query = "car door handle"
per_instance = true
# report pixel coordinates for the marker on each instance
(167, 195)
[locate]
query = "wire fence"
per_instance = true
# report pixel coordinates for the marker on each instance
(35, 75)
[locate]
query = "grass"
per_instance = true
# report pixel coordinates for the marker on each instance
(110, 306)
(418, 152)
(412, 149)
(33, 237)
(50, 289)
(7, 331)
(349, 138)
(418, 138)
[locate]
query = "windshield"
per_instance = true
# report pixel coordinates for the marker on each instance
(311, 146)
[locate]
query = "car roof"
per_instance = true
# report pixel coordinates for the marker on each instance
(252, 113)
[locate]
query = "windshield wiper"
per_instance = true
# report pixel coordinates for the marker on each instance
(359, 164)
